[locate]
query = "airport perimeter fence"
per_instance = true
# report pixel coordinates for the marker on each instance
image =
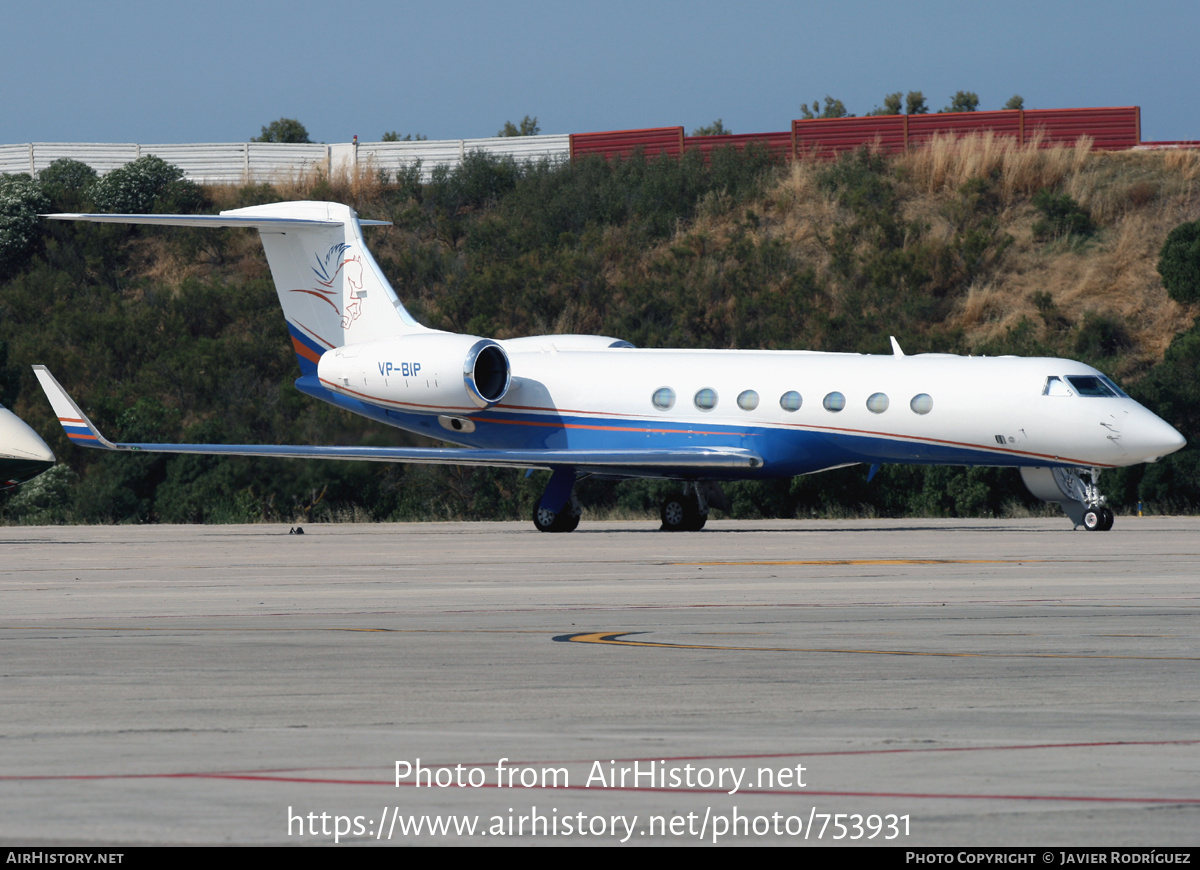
(240, 162)
(1109, 129)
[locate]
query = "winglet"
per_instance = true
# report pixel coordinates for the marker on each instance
(79, 428)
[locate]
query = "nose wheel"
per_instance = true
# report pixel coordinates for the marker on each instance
(1098, 519)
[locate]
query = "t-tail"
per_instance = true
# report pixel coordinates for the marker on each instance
(331, 289)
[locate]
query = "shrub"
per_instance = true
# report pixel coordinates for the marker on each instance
(66, 183)
(146, 183)
(1179, 263)
(1102, 337)
(1062, 216)
(45, 500)
(21, 202)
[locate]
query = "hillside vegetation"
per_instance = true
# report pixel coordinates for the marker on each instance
(968, 246)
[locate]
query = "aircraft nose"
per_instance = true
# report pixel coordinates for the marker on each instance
(18, 441)
(1156, 438)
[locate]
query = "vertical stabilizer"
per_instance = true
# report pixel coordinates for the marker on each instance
(331, 289)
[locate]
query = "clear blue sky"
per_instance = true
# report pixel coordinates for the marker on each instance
(217, 71)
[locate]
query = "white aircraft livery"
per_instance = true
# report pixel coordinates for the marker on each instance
(23, 454)
(579, 405)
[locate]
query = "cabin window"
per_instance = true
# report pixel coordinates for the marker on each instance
(663, 398)
(877, 403)
(748, 400)
(922, 403)
(834, 402)
(706, 399)
(790, 401)
(1089, 385)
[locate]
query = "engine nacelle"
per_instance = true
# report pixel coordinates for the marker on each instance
(434, 373)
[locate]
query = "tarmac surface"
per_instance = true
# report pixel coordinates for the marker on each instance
(884, 682)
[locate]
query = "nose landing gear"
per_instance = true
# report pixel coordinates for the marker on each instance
(1098, 519)
(1076, 490)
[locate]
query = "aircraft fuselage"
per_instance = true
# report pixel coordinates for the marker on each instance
(801, 411)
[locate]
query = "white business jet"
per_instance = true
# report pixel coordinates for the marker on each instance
(23, 454)
(579, 405)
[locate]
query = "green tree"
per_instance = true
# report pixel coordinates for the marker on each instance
(963, 101)
(716, 128)
(1016, 101)
(891, 105)
(914, 104)
(284, 130)
(833, 109)
(528, 127)
(393, 136)
(10, 377)
(1179, 263)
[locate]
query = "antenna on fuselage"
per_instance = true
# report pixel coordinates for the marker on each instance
(896, 351)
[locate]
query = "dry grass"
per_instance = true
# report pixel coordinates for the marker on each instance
(947, 162)
(802, 214)
(357, 186)
(1135, 198)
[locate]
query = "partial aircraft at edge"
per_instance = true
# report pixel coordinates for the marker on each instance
(23, 454)
(580, 405)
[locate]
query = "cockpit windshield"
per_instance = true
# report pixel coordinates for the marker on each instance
(1090, 385)
(1082, 385)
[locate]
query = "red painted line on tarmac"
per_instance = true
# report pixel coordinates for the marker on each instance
(250, 777)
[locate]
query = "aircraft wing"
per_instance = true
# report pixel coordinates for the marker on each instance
(82, 431)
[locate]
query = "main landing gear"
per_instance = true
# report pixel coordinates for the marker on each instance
(1076, 490)
(565, 520)
(558, 509)
(685, 511)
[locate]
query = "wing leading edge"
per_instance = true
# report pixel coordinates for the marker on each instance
(83, 432)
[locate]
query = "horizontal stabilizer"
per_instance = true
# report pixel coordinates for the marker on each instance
(81, 430)
(252, 222)
(197, 220)
(331, 289)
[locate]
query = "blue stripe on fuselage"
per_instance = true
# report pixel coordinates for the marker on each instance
(786, 451)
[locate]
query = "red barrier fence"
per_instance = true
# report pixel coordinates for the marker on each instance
(1111, 129)
(622, 143)
(780, 143)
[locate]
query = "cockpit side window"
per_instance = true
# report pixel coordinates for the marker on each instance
(1089, 385)
(1055, 387)
(1114, 387)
